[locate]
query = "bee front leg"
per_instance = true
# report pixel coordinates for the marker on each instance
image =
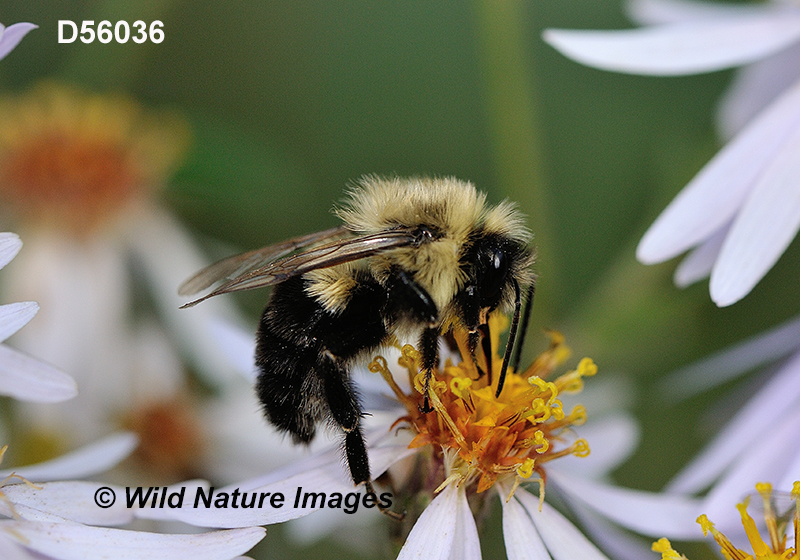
(471, 315)
(409, 299)
(429, 351)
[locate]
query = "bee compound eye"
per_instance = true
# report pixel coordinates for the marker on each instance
(493, 272)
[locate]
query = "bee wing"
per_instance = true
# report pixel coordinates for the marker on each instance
(783, 505)
(239, 265)
(324, 256)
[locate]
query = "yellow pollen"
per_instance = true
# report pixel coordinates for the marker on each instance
(587, 367)
(458, 386)
(486, 439)
(776, 549)
(663, 546)
(544, 387)
(578, 415)
(525, 470)
(540, 442)
(580, 448)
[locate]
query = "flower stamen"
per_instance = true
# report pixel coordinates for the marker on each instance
(485, 438)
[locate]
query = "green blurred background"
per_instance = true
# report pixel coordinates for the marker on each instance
(288, 101)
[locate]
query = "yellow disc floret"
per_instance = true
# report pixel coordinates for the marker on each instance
(776, 525)
(484, 438)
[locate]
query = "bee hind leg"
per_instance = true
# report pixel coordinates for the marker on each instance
(346, 412)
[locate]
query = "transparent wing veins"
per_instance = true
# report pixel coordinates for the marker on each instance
(239, 265)
(324, 256)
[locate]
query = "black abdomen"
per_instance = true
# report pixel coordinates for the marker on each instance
(304, 352)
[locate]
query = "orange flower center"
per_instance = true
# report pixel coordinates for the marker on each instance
(485, 438)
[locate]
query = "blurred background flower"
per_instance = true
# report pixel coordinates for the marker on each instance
(21, 376)
(79, 175)
(286, 103)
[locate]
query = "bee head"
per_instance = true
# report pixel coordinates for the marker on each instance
(492, 263)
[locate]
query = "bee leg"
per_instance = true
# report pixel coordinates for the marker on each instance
(346, 412)
(383, 509)
(512, 335)
(429, 351)
(472, 344)
(471, 315)
(409, 298)
(357, 458)
(486, 346)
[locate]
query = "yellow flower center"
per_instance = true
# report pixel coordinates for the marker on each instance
(69, 158)
(483, 438)
(776, 523)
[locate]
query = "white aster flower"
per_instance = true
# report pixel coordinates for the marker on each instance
(11, 36)
(742, 210)
(759, 442)
(777, 507)
(21, 376)
(62, 521)
(500, 443)
(79, 176)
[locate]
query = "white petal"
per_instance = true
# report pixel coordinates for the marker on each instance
(683, 48)
(714, 195)
(766, 460)
(619, 544)
(653, 12)
(12, 35)
(238, 343)
(612, 439)
(14, 316)
(89, 460)
(732, 362)
(433, 535)
(791, 475)
(10, 244)
(519, 533)
(72, 541)
(745, 431)
(146, 503)
(766, 225)
(698, 264)
(28, 379)
(169, 256)
(83, 325)
(73, 501)
(648, 513)
(563, 539)
(756, 86)
(466, 543)
(326, 474)
(11, 550)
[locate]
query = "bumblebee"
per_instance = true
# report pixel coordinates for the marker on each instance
(414, 258)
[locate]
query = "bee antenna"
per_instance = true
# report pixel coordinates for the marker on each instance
(512, 334)
(523, 329)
